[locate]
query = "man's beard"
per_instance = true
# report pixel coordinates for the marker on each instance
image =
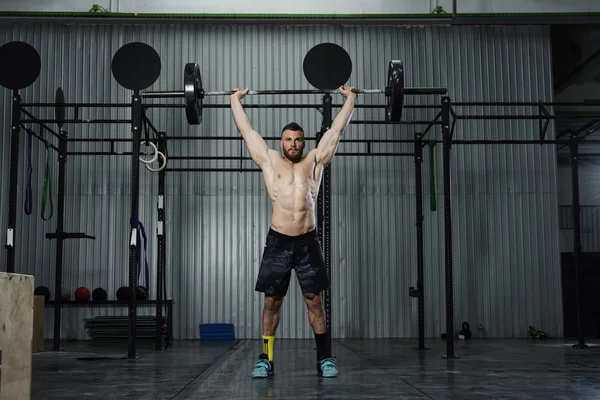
(295, 156)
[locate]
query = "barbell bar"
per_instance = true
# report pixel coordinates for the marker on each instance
(179, 94)
(176, 94)
(194, 93)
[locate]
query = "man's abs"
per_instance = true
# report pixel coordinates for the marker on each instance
(293, 208)
(293, 191)
(292, 223)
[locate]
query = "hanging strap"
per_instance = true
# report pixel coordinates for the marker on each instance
(432, 196)
(28, 192)
(47, 185)
(141, 231)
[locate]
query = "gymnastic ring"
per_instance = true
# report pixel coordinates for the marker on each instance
(145, 160)
(164, 164)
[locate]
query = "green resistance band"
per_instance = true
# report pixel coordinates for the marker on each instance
(432, 196)
(47, 185)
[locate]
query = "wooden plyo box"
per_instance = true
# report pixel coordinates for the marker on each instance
(16, 334)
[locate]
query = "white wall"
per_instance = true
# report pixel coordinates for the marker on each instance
(311, 7)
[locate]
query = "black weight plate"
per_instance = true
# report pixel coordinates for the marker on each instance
(20, 65)
(327, 66)
(59, 111)
(136, 66)
(192, 93)
(395, 99)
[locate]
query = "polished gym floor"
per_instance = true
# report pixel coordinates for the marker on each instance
(369, 369)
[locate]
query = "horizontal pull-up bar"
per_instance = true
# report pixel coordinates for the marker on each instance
(239, 138)
(516, 141)
(457, 141)
(78, 105)
(86, 140)
(375, 154)
(360, 122)
(523, 103)
(212, 170)
(517, 117)
(81, 121)
(128, 121)
(357, 122)
(218, 158)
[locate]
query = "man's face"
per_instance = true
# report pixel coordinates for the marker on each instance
(292, 144)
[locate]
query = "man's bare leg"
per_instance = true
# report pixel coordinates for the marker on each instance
(316, 313)
(316, 317)
(271, 316)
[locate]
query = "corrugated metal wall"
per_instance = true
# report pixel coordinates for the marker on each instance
(590, 228)
(504, 204)
(589, 197)
(589, 180)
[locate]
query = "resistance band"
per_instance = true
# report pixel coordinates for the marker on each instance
(47, 185)
(432, 196)
(142, 232)
(28, 192)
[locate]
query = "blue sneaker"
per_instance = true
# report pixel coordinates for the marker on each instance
(263, 367)
(327, 367)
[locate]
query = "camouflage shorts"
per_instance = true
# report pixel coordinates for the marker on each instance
(282, 253)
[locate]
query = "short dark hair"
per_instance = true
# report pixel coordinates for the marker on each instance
(292, 126)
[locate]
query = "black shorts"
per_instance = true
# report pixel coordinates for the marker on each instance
(282, 253)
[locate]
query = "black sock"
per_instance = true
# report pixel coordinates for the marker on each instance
(323, 349)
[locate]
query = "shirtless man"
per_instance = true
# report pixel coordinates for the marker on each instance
(293, 183)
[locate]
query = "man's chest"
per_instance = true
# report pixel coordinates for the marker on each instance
(297, 174)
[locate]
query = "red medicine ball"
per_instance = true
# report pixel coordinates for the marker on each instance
(82, 294)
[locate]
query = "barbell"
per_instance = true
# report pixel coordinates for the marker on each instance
(326, 66)
(194, 93)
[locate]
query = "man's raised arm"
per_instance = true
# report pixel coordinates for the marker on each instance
(254, 142)
(330, 140)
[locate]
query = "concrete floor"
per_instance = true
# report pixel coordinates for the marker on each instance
(369, 369)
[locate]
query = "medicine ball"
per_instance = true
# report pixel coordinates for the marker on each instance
(42, 291)
(82, 294)
(141, 293)
(65, 294)
(123, 293)
(99, 294)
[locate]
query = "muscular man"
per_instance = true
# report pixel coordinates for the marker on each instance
(293, 182)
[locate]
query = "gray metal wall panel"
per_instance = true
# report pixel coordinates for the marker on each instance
(590, 228)
(504, 197)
